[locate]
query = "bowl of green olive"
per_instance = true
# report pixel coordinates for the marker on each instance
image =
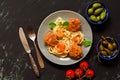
(97, 13)
(107, 48)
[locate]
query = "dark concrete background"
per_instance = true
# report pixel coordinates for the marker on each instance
(14, 62)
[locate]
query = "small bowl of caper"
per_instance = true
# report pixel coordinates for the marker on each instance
(97, 13)
(107, 49)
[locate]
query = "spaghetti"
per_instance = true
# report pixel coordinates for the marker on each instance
(64, 41)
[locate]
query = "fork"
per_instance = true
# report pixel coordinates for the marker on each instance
(32, 36)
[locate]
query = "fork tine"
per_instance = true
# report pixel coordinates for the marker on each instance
(31, 32)
(29, 29)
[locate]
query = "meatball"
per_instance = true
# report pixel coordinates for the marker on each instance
(74, 25)
(75, 52)
(50, 39)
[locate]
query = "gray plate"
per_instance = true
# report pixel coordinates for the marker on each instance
(44, 27)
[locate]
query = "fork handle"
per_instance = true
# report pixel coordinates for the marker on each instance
(34, 66)
(40, 60)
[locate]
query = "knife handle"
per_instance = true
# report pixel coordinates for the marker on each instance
(40, 60)
(34, 66)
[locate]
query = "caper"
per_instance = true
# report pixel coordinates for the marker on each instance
(90, 11)
(93, 18)
(114, 45)
(105, 43)
(98, 11)
(101, 47)
(103, 15)
(96, 5)
(107, 50)
(110, 53)
(104, 53)
(110, 47)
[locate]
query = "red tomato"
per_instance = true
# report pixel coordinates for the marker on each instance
(78, 72)
(89, 73)
(84, 65)
(70, 74)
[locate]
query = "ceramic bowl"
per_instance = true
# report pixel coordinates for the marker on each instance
(108, 57)
(87, 15)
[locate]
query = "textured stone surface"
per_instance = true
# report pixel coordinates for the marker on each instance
(14, 62)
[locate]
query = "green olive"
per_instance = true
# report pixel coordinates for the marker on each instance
(93, 18)
(98, 11)
(90, 11)
(103, 15)
(98, 17)
(96, 5)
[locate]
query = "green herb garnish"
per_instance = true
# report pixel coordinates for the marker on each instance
(87, 43)
(65, 24)
(60, 24)
(52, 25)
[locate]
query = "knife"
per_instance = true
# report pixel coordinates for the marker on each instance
(28, 50)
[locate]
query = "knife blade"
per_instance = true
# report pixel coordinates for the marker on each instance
(28, 50)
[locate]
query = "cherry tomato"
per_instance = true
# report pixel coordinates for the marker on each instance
(84, 65)
(89, 73)
(78, 72)
(70, 74)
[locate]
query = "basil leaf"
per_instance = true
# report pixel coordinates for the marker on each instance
(60, 24)
(52, 25)
(87, 43)
(65, 24)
